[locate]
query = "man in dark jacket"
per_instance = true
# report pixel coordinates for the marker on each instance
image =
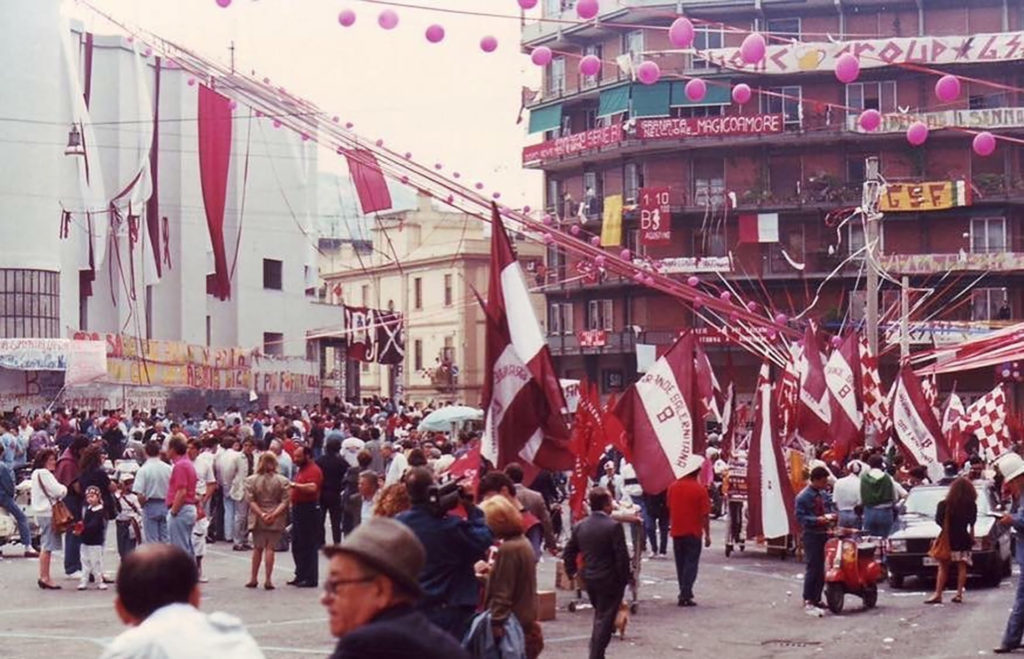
(453, 545)
(370, 596)
(605, 572)
(334, 468)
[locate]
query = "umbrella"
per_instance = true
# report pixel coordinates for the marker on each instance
(442, 419)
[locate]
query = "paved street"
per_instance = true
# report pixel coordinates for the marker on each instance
(748, 607)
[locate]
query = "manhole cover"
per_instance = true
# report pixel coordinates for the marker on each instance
(788, 643)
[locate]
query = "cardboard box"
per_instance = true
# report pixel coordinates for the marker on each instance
(545, 605)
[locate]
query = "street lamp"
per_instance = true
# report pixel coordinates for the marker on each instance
(75, 146)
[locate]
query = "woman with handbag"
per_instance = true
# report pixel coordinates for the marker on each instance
(956, 515)
(52, 516)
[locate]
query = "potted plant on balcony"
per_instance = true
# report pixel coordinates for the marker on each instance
(989, 184)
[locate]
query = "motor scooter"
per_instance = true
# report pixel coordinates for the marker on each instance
(851, 568)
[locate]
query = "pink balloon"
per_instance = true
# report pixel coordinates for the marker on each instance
(741, 93)
(947, 88)
(404, 180)
(752, 49)
(725, 296)
(547, 220)
(680, 33)
(408, 155)
(595, 241)
(781, 318)
(388, 19)
(847, 68)
(277, 123)
(870, 120)
(772, 335)
(648, 280)
(1006, 372)
(836, 341)
(541, 56)
(435, 33)
(335, 118)
(347, 18)
(575, 229)
(698, 302)
(488, 44)
(224, 3)
(984, 143)
(526, 209)
(590, 65)
(438, 165)
(305, 137)
(625, 254)
(349, 125)
(648, 72)
(599, 260)
(917, 134)
(479, 186)
(693, 280)
(147, 52)
(191, 82)
(751, 307)
(548, 238)
(233, 104)
(496, 195)
(456, 175)
(527, 4)
(638, 277)
(379, 143)
(696, 89)
(450, 199)
(586, 9)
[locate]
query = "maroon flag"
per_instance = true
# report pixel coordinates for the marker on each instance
(916, 430)
(468, 467)
(707, 384)
(986, 419)
(522, 397)
(842, 375)
(814, 414)
(586, 444)
(214, 160)
(370, 184)
(662, 417)
(769, 491)
(952, 417)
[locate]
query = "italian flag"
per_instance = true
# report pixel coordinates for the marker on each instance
(759, 228)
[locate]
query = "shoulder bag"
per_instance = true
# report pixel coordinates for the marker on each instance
(62, 519)
(940, 549)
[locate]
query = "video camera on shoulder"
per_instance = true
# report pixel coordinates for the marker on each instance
(444, 496)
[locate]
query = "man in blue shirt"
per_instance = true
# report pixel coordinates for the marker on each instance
(453, 546)
(8, 503)
(815, 512)
(1011, 466)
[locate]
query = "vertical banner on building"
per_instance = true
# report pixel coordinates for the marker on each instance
(655, 217)
(611, 221)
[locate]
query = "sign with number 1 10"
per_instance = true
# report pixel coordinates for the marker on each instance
(655, 217)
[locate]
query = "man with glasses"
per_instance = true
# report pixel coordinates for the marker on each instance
(371, 593)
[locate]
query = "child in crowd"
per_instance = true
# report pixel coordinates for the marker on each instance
(199, 532)
(92, 527)
(129, 516)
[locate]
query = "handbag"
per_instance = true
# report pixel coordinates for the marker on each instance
(940, 549)
(62, 519)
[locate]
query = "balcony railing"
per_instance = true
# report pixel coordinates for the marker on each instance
(570, 344)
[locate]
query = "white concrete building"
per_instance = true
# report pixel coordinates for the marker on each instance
(47, 68)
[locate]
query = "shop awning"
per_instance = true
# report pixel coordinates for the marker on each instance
(651, 100)
(719, 93)
(545, 118)
(613, 101)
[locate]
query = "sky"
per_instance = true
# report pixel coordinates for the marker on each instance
(447, 103)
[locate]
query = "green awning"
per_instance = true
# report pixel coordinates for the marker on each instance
(613, 101)
(545, 118)
(651, 100)
(719, 93)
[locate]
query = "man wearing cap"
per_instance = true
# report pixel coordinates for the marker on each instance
(815, 512)
(371, 593)
(1011, 466)
(690, 516)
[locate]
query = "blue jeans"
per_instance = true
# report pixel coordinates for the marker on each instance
(1015, 625)
(154, 521)
(11, 506)
(878, 521)
(849, 519)
(687, 552)
(656, 522)
(814, 574)
(125, 542)
(229, 518)
(179, 528)
(72, 553)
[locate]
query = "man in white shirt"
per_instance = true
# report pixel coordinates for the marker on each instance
(206, 485)
(396, 463)
(368, 494)
(245, 466)
(151, 483)
(614, 483)
(846, 496)
(158, 595)
(225, 465)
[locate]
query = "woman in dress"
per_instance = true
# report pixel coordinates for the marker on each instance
(267, 494)
(46, 491)
(956, 515)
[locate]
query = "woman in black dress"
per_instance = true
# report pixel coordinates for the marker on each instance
(962, 509)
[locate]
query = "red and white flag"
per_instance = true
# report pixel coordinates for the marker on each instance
(707, 384)
(787, 393)
(814, 411)
(522, 397)
(876, 409)
(842, 376)
(986, 419)
(916, 430)
(587, 444)
(769, 491)
(467, 467)
(952, 417)
(663, 417)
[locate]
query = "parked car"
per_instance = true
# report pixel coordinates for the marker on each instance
(908, 545)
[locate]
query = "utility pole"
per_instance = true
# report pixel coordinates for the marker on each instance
(869, 204)
(904, 318)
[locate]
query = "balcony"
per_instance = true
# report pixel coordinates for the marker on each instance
(929, 264)
(592, 342)
(565, 23)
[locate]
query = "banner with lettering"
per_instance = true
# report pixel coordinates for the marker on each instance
(982, 119)
(655, 217)
(924, 196)
(34, 354)
(721, 126)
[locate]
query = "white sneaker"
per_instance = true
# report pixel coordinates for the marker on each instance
(83, 586)
(102, 586)
(203, 579)
(74, 575)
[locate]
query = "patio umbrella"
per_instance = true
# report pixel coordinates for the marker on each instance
(441, 420)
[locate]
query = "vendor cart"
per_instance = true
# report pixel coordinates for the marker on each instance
(734, 485)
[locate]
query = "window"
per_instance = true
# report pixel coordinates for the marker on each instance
(273, 344)
(149, 312)
(593, 193)
(417, 293)
(589, 82)
(566, 128)
(29, 304)
(554, 196)
(879, 96)
(556, 77)
(417, 354)
(590, 119)
(447, 290)
(556, 263)
(987, 101)
(709, 182)
(209, 332)
(785, 101)
(988, 235)
(633, 44)
(855, 237)
(696, 111)
(448, 351)
(307, 278)
(272, 269)
(366, 295)
(632, 181)
(560, 318)
(990, 304)
(784, 28)
(599, 315)
(705, 38)
(633, 244)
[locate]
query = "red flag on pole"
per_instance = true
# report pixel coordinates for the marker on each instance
(522, 398)
(468, 467)
(370, 184)
(663, 420)
(586, 444)
(769, 491)
(814, 414)
(916, 430)
(842, 377)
